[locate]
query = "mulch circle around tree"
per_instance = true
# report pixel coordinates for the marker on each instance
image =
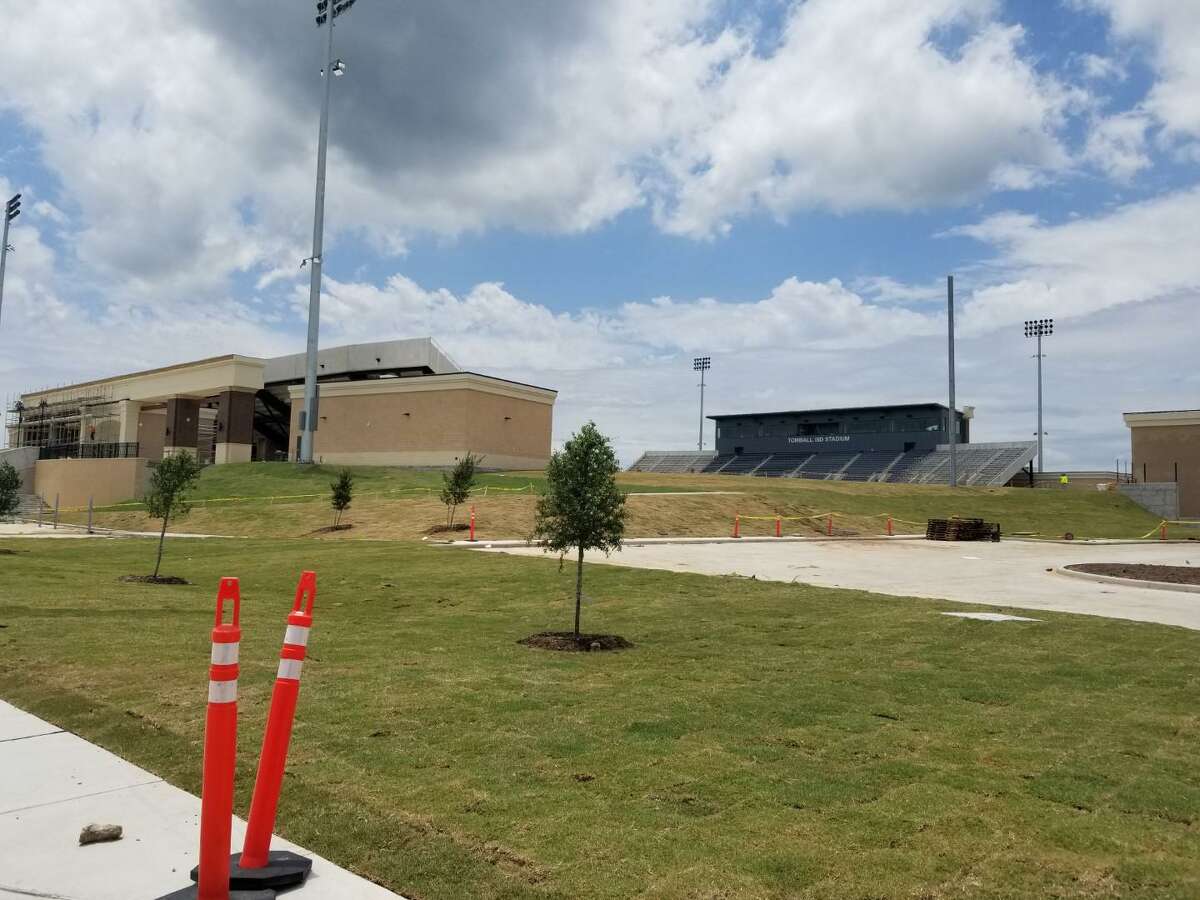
(439, 529)
(326, 529)
(569, 640)
(1142, 572)
(150, 579)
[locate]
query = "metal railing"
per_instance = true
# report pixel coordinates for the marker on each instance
(90, 450)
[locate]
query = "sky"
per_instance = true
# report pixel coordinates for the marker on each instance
(584, 196)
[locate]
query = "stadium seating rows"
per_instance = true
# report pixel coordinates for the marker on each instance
(977, 464)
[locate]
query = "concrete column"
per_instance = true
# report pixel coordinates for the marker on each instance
(183, 426)
(235, 427)
(129, 410)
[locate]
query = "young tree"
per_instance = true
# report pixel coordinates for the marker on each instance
(342, 494)
(582, 506)
(457, 485)
(10, 489)
(167, 496)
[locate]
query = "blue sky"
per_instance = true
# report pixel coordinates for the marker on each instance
(586, 195)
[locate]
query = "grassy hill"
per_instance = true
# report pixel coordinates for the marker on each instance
(283, 500)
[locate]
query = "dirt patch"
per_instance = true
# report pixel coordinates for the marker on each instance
(6, 552)
(1140, 572)
(569, 640)
(152, 579)
(345, 526)
(442, 529)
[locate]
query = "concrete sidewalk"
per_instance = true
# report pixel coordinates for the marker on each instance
(1007, 574)
(54, 782)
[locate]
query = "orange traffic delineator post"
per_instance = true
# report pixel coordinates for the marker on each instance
(258, 866)
(778, 527)
(472, 537)
(829, 526)
(220, 757)
(889, 527)
(1162, 531)
(737, 526)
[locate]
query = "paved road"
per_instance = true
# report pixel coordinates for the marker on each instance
(1010, 573)
(54, 783)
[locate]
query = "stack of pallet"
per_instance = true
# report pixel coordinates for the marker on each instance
(962, 530)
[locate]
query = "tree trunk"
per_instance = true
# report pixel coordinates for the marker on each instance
(161, 537)
(578, 589)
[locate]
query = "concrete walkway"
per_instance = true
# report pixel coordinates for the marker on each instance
(64, 530)
(52, 783)
(1010, 574)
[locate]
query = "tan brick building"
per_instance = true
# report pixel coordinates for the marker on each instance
(403, 403)
(1166, 450)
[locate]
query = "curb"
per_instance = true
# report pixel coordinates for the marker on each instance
(1129, 582)
(502, 544)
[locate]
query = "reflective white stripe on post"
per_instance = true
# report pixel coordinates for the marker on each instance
(297, 635)
(222, 691)
(289, 668)
(225, 654)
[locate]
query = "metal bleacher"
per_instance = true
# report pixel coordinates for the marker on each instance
(672, 461)
(784, 464)
(867, 466)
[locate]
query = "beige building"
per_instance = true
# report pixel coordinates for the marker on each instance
(1166, 451)
(403, 403)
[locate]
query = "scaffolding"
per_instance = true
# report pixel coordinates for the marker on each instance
(83, 421)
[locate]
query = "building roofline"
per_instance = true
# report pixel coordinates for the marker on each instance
(836, 409)
(142, 373)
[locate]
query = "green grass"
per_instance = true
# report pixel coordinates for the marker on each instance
(260, 481)
(761, 741)
(861, 507)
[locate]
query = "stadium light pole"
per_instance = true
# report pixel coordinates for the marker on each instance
(701, 364)
(12, 209)
(1039, 328)
(327, 13)
(952, 427)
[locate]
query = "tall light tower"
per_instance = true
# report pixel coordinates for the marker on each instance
(1039, 328)
(701, 364)
(952, 429)
(308, 415)
(12, 209)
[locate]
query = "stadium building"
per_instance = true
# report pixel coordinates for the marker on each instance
(903, 443)
(399, 403)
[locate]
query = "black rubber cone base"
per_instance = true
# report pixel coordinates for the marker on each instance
(283, 869)
(191, 892)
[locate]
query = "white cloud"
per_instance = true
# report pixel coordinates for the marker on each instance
(859, 107)
(188, 155)
(1172, 30)
(1132, 254)
(1117, 145)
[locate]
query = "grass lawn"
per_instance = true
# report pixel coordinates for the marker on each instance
(402, 504)
(762, 740)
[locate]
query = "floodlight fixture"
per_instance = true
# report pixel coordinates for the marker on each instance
(701, 363)
(1039, 328)
(12, 208)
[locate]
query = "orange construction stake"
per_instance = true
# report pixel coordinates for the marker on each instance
(778, 527)
(829, 526)
(472, 537)
(737, 526)
(1162, 531)
(889, 527)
